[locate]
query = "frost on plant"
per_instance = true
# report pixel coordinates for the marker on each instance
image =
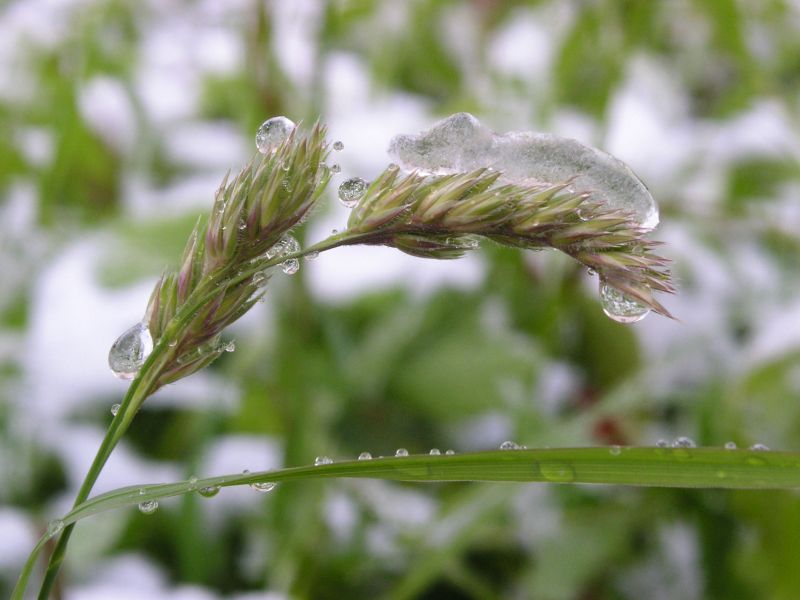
(461, 143)
(461, 183)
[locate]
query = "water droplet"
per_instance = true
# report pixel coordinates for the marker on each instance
(192, 482)
(365, 456)
(401, 452)
(148, 507)
(435, 452)
(730, 445)
(54, 527)
(615, 450)
(336, 168)
(272, 132)
(759, 447)
(662, 444)
(129, 352)
(209, 492)
(351, 191)
(291, 266)
(242, 225)
(323, 460)
(311, 255)
(263, 486)
(230, 346)
(620, 307)
(172, 343)
(260, 279)
(591, 272)
(449, 452)
(509, 445)
(683, 442)
(557, 471)
(115, 409)
(337, 145)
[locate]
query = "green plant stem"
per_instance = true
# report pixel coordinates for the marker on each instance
(141, 387)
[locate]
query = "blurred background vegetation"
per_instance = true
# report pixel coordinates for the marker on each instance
(117, 121)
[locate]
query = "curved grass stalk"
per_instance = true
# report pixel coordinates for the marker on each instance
(634, 466)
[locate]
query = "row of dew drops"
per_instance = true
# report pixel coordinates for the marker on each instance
(132, 348)
(552, 470)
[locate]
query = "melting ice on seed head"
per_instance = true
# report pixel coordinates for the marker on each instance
(129, 351)
(272, 132)
(461, 143)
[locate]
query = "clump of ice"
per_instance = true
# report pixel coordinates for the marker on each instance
(461, 143)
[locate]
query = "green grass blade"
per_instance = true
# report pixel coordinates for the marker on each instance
(638, 466)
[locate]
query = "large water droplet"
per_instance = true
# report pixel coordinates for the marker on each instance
(291, 266)
(759, 447)
(129, 352)
(263, 486)
(230, 346)
(401, 452)
(115, 409)
(209, 492)
(337, 145)
(730, 445)
(435, 452)
(449, 452)
(351, 191)
(365, 456)
(148, 507)
(619, 306)
(460, 143)
(323, 460)
(272, 132)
